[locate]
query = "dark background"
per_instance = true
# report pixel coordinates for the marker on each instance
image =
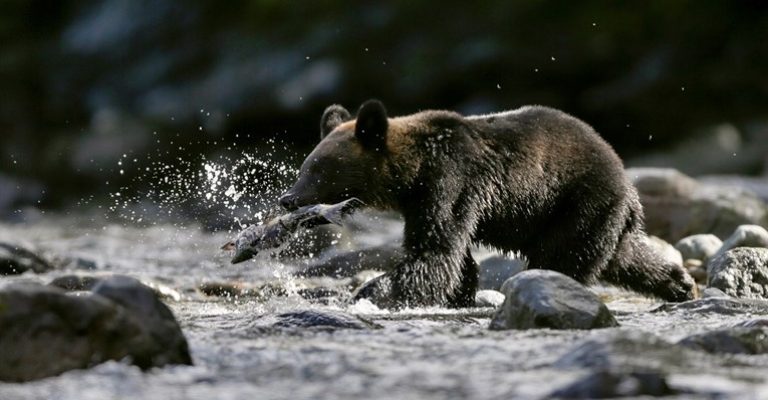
(681, 83)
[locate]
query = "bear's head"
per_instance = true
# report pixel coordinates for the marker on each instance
(353, 159)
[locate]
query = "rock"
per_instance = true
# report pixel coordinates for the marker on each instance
(712, 292)
(741, 272)
(15, 259)
(324, 320)
(677, 206)
(496, 269)
(319, 293)
(164, 342)
(741, 340)
(44, 331)
(699, 247)
(549, 299)
(745, 236)
(669, 252)
(223, 289)
(74, 282)
(488, 298)
(696, 269)
(623, 349)
(611, 384)
(717, 305)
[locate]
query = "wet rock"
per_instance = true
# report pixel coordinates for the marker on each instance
(625, 349)
(677, 206)
(223, 289)
(717, 305)
(712, 292)
(44, 331)
(496, 269)
(549, 299)
(320, 293)
(15, 259)
(669, 252)
(741, 272)
(698, 247)
(164, 343)
(380, 258)
(74, 282)
(745, 236)
(741, 340)
(325, 320)
(488, 298)
(612, 384)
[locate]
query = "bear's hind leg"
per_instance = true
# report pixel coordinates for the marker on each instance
(637, 266)
(464, 295)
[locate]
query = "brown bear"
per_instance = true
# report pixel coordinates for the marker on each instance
(534, 180)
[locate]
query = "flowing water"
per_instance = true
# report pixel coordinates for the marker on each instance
(412, 354)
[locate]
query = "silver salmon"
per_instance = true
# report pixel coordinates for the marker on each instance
(275, 232)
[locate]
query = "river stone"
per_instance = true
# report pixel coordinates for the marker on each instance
(321, 319)
(699, 247)
(164, 343)
(612, 384)
(548, 299)
(677, 206)
(347, 264)
(496, 269)
(745, 236)
(15, 259)
(488, 298)
(75, 282)
(712, 292)
(45, 331)
(741, 272)
(742, 340)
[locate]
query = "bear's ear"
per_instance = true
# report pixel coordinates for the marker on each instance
(371, 126)
(333, 116)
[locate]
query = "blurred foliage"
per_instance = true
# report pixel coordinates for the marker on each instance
(87, 81)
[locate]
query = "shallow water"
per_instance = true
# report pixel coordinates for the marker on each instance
(418, 354)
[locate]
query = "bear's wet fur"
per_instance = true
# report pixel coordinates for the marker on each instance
(534, 180)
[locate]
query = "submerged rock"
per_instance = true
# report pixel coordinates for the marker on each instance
(44, 331)
(699, 247)
(75, 282)
(488, 298)
(496, 269)
(315, 319)
(739, 340)
(677, 206)
(15, 259)
(548, 299)
(741, 272)
(625, 349)
(612, 384)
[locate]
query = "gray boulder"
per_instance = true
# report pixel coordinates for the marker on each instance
(699, 247)
(325, 320)
(44, 331)
(15, 259)
(677, 206)
(741, 272)
(488, 298)
(549, 299)
(496, 269)
(745, 236)
(740, 340)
